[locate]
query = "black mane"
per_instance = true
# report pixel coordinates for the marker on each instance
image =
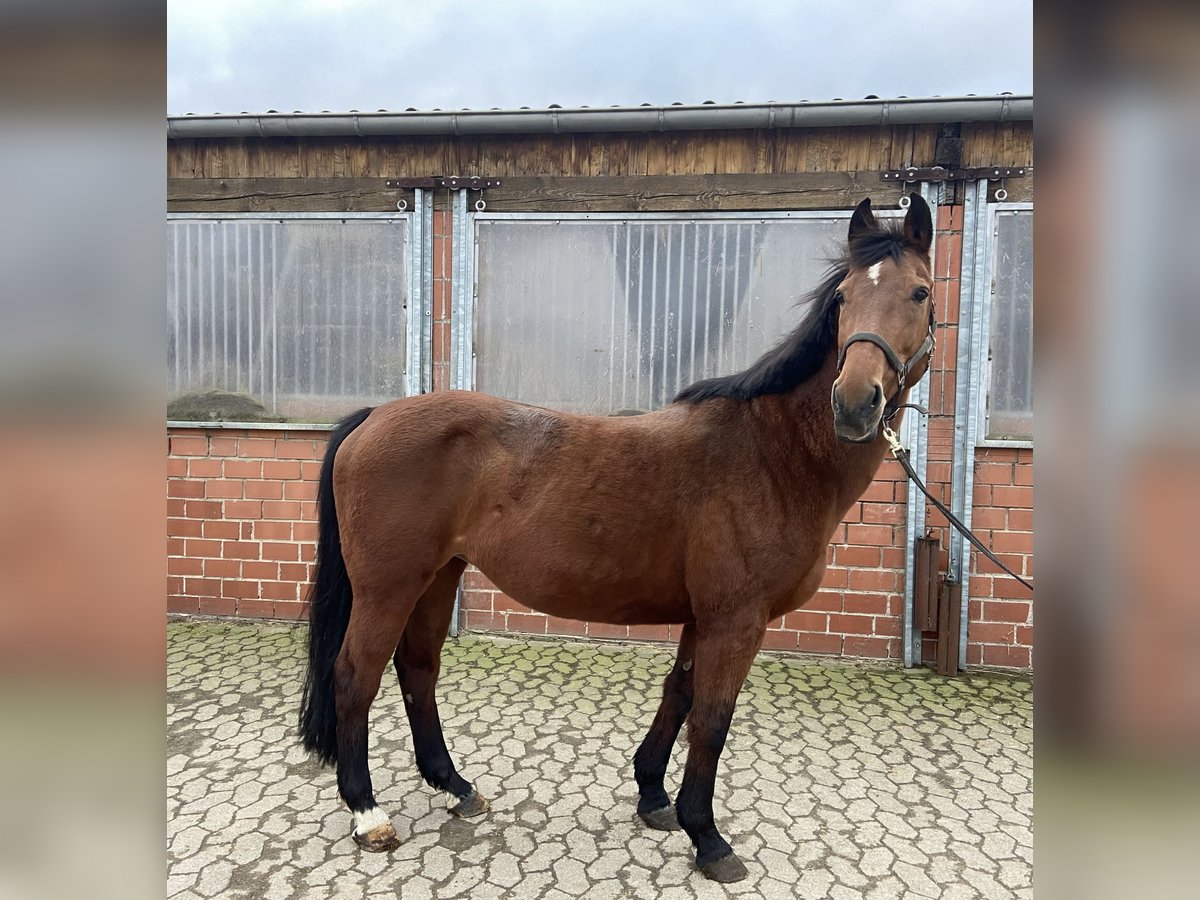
(800, 355)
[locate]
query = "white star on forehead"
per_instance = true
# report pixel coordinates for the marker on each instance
(873, 272)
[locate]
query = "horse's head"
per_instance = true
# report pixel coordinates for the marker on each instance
(884, 318)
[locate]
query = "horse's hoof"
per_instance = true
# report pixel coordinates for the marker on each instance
(726, 870)
(470, 806)
(378, 840)
(661, 819)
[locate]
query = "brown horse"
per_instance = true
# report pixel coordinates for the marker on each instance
(714, 513)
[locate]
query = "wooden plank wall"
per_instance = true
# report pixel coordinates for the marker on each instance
(762, 169)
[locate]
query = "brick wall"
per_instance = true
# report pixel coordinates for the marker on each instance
(242, 526)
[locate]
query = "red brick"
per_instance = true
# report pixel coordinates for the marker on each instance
(480, 620)
(281, 470)
(175, 547)
(605, 630)
(273, 531)
(202, 509)
(1020, 519)
(775, 639)
(175, 508)
(893, 558)
(310, 471)
(250, 550)
(222, 445)
(981, 495)
(177, 604)
(989, 518)
(853, 514)
(188, 445)
(175, 584)
(184, 528)
(259, 609)
(1008, 588)
(1018, 496)
(857, 556)
(203, 587)
(177, 467)
(555, 625)
(260, 570)
(870, 647)
(293, 611)
(866, 604)
(203, 548)
(1012, 542)
(308, 510)
(986, 566)
(192, 490)
(1010, 657)
(880, 491)
(823, 601)
(649, 633)
(280, 509)
(264, 490)
(305, 531)
(280, 590)
(243, 468)
(257, 448)
(885, 513)
(526, 623)
(218, 606)
(239, 589)
(1023, 475)
(204, 468)
(873, 580)
(991, 633)
(223, 568)
(300, 490)
(890, 625)
(184, 565)
(806, 620)
(808, 642)
(301, 573)
(846, 624)
(220, 530)
(503, 601)
(869, 535)
(308, 552)
(834, 579)
(1025, 635)
(223, 489)
(284, 552)
(295, 450)
(994, 473)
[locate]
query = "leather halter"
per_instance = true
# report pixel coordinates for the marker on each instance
(893, 358)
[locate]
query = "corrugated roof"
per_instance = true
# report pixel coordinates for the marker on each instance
(677, 116)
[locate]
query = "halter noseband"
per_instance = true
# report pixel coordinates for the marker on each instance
(901, 369)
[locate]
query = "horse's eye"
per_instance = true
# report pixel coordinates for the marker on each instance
(839, 298)
(920, 295)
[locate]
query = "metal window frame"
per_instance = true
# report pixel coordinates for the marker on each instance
(418, 242)
(984, 372)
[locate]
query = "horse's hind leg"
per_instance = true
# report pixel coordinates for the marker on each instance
(418, 661)
(650, 761)
(376, 622)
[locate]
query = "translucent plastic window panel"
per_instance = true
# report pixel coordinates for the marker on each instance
(303, 316)
(1010, 388)
(610, 316)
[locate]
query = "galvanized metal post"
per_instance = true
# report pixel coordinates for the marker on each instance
(970, 368)
(418, 303)
(425, 212)
(915, 433)
(462, 322)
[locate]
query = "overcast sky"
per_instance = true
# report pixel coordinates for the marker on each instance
(255, 55)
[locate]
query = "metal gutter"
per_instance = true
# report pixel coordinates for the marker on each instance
(704, 117)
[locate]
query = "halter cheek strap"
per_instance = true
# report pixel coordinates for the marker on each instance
(901, 369)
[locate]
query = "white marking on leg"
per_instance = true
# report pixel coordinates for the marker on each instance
(369, 820)
(873, 273)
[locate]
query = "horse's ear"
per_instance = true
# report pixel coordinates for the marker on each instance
(862, 222)
(918, 224)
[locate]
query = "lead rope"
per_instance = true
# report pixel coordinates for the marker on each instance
(901, 454)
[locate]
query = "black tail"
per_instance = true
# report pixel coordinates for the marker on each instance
(329, 610)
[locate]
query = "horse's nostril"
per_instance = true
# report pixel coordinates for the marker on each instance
(877, 398)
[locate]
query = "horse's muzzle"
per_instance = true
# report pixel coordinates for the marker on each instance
(857, 422)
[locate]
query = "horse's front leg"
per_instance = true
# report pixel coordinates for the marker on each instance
(650, 761)
(724, 653)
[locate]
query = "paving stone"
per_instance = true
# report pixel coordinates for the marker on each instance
(838, 780)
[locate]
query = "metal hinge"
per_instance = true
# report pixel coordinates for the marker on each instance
(454, 182)
(939, 173)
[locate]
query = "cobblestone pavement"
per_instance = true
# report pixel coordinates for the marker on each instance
(837, 782)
